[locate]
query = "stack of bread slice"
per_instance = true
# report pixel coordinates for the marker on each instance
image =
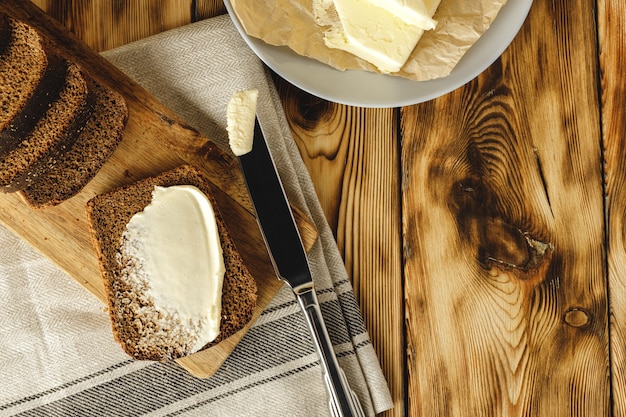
(57, 124)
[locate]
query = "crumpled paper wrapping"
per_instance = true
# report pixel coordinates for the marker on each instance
(292, 23)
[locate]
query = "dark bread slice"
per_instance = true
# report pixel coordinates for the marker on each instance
(33, 142)
(93, 147)
(23, 62)
(108, 214)
(5, 33)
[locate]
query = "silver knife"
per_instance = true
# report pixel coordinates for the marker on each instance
(290, 262)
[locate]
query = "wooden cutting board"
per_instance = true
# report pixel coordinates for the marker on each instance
(155, 140)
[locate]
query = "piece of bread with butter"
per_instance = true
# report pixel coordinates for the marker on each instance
(174, 279)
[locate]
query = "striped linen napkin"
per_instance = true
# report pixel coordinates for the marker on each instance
(57, 354)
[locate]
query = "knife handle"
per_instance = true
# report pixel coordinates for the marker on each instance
(343, 401)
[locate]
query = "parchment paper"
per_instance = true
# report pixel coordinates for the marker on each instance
(291, 23)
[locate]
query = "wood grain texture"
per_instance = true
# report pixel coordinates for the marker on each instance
(612, 42)
(352, 155)
(103, 25)
(506, 293)
(208, 8)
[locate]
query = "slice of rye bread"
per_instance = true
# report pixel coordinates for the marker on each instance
(130, 310)
(46, 127)
(93, 147)
(23, 63)
(5, 33)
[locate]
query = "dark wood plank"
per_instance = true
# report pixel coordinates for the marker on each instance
(103, 25)
(506, 292)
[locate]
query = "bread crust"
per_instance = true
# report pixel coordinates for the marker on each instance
(23, 62)
(96, 141)
(49, 104)
(108, 214)
(38, 147)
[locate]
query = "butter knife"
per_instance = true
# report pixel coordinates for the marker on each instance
(290, 262)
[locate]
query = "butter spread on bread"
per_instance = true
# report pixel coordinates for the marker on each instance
(135, 315)
(172, 248)
(240, 115)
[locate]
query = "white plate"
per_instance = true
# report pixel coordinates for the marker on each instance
(367, 89)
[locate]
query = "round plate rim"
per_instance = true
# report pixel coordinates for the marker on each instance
(385, 91)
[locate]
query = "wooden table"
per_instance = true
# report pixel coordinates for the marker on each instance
(484, 230)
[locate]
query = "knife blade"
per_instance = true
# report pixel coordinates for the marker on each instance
(291, 264)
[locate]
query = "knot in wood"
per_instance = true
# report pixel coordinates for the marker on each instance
(498, 240)
(310, 111)
(577, 317)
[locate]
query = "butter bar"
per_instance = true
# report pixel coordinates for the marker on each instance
(382, 32)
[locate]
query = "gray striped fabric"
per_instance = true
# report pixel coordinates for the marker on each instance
(57, 354)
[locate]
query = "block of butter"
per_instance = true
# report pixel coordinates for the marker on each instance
(417, 12)
(240, 118)
(382, 32)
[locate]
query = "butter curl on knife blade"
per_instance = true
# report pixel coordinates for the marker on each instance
(283, 240)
